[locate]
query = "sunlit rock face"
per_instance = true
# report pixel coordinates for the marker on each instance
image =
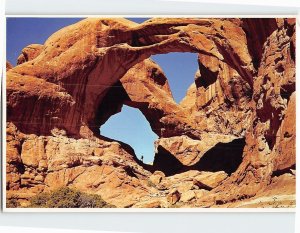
(229, 143)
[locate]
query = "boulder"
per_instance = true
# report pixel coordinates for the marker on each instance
(187, 196)
(173, 196)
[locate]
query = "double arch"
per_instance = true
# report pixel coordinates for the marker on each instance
(78, 65)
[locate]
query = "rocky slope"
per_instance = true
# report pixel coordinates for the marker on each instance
(229, 143)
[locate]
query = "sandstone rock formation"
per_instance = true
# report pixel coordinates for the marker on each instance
(8, 66)
(36, 163)
(229, 143)
(29, 53)
(189, 151)
(273, 89)
(96, 46)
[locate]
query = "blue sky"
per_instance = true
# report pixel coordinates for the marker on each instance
(129, 126)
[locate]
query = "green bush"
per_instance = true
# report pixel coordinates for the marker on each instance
(68, 198)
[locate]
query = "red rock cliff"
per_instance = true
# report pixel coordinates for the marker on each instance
(229, 143)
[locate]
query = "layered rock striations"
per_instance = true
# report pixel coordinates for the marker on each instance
(229, 143)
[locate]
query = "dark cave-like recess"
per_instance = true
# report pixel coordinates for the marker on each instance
(222, 157)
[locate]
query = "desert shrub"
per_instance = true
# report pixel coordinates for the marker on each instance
(12, 203)
(39, 200)
(150, 184)
(68, 198)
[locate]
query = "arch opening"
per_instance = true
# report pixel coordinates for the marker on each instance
(126, 120)
(180, 69)
(131, 127)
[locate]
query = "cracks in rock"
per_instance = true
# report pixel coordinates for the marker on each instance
(287, 90)
(129, 171)
(235, 61)
(255, 41)
(19, 166)
(70, 182)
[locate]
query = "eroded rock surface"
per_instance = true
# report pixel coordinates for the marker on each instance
(8, 65)
(29, 53)
(43, 163)
(229, 143)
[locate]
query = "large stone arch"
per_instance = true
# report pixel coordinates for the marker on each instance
(78, 64)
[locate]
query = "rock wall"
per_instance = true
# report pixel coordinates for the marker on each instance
(42, 163)
(273, 99)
